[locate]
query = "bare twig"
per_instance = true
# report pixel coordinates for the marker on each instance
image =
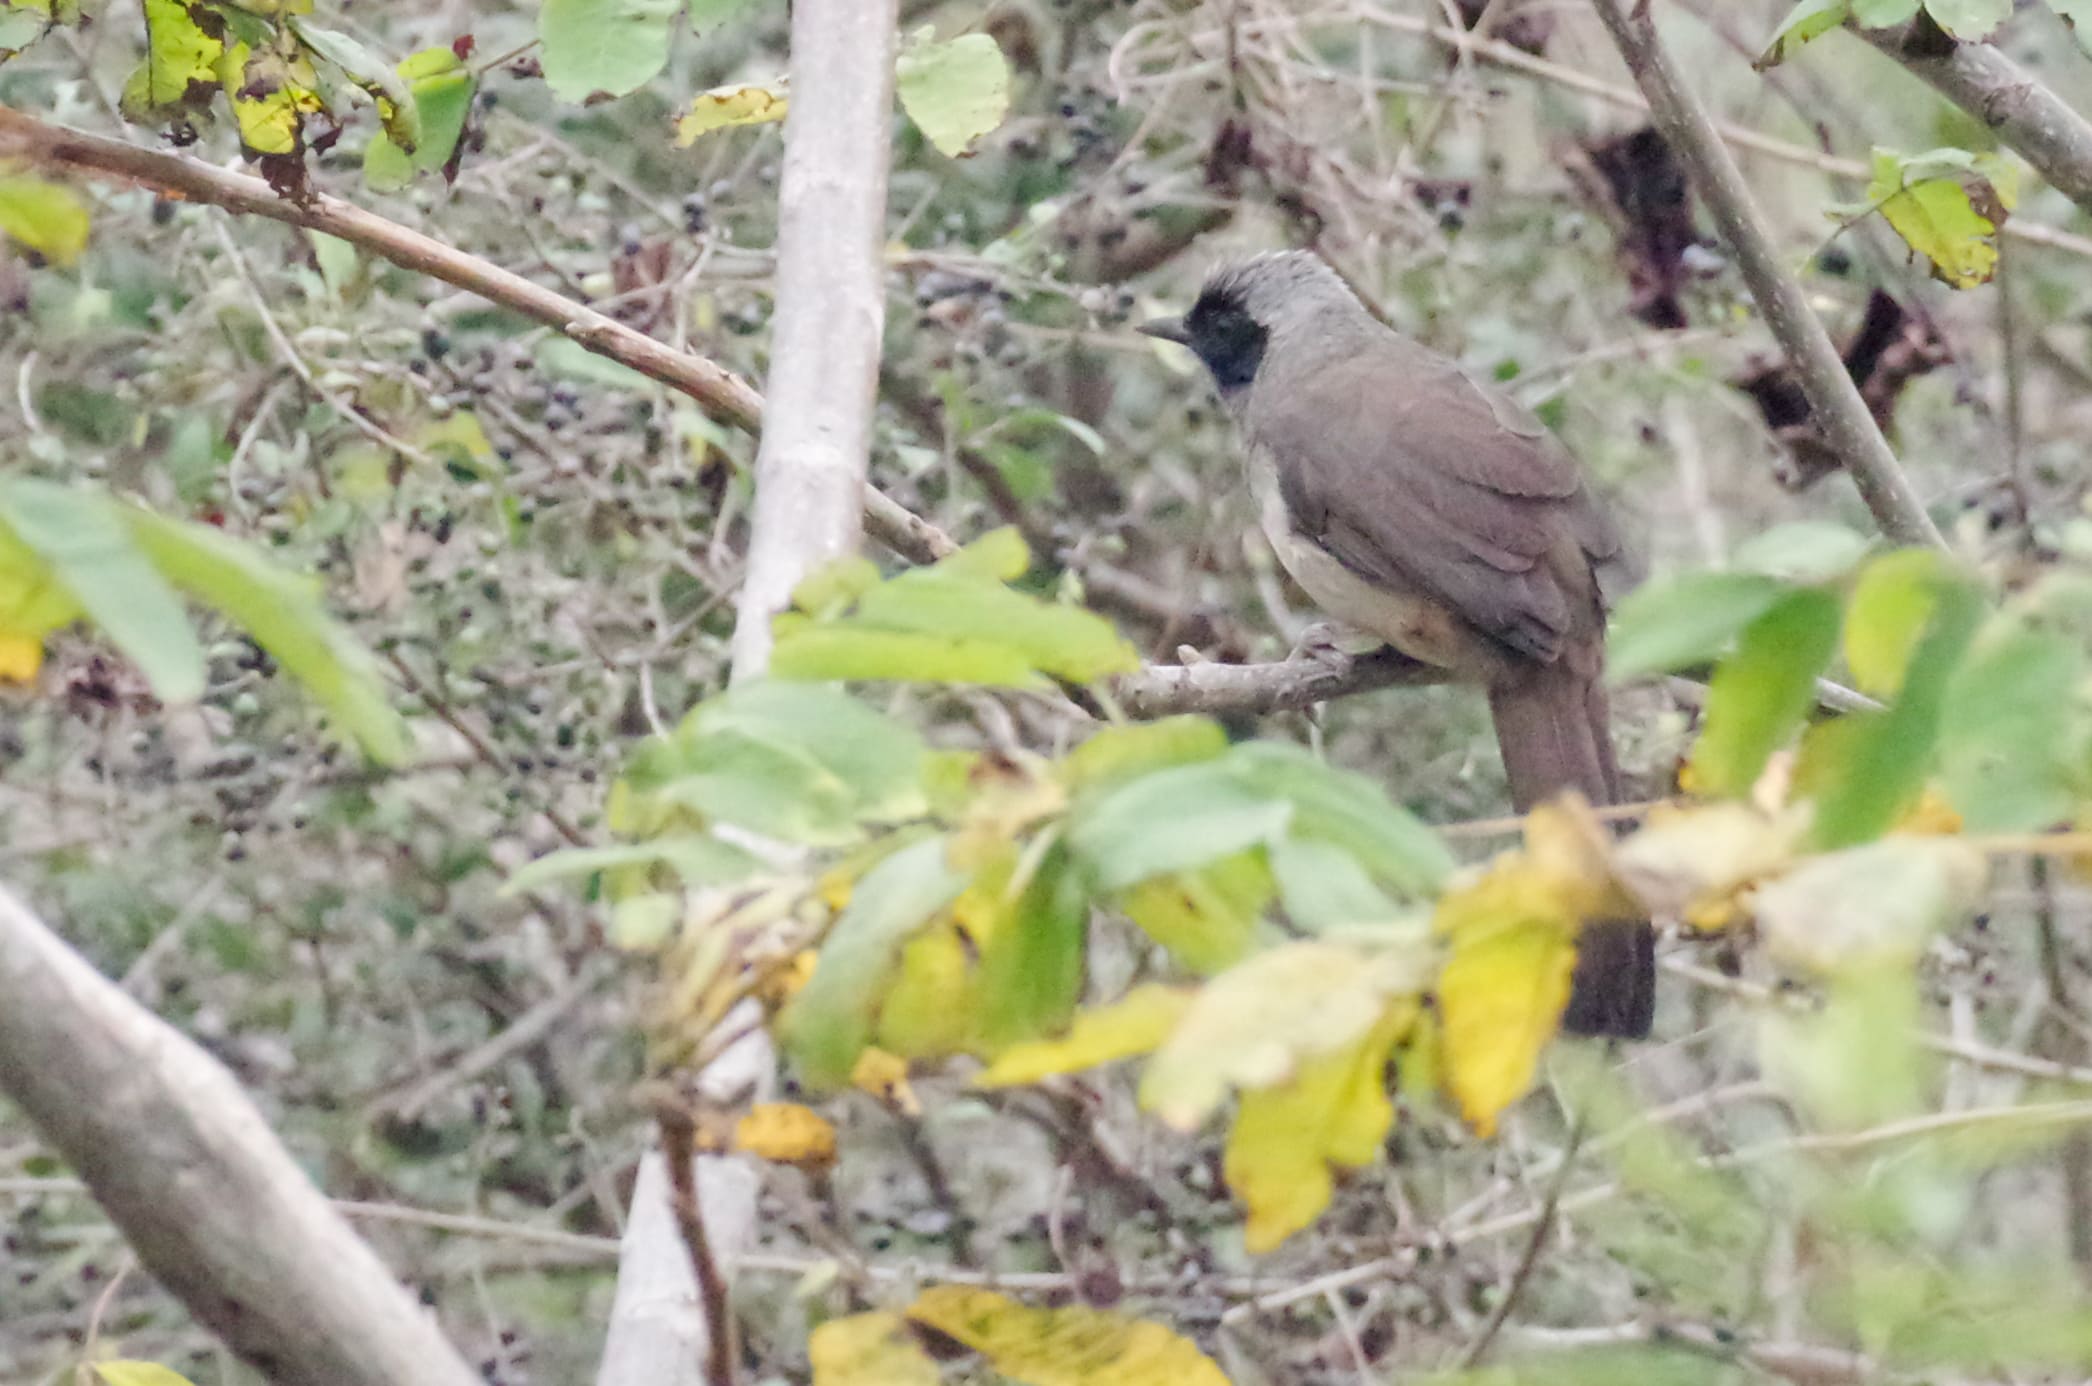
(679, 1149)
(1834, 400)
(1162, 690)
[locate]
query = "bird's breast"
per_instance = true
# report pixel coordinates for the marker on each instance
(1411, 621)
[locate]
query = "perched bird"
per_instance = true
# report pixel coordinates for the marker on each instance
(1424, 507)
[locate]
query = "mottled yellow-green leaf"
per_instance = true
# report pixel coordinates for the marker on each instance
(722, 107)
(1207, 916)
(1257, 1023)
(272, 94)
(1135, 1024)
(869, 1350)
(1868, 907)
(1334, 1112)
(1950, 217)
(956, 91)
(48, 218)
(1074, 1346)
(179, 58)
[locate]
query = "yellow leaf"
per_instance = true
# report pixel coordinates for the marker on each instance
(20, 657)
(1134, 1024)
(1930, 816)
(1064, 1347)
(1567, 845)
(885, 1076)
(731, 105)
(1502, 991)
(139, 1374)
(47, 217)
(780, 984)
(786, 1133)
(1334, 1111)
(1252, 1026)
(869, 1350)
(1689, 863)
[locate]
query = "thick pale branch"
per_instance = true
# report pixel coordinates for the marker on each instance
(1834, 400)
(180, 1159)
(2039, 125)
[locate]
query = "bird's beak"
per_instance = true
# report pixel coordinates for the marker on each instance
(1168, 329)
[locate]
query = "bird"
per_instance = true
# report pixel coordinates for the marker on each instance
(1417, 503)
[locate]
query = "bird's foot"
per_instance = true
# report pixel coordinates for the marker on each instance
(1321, 643)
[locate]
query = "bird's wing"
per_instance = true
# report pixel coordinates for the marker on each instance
(1413, 474)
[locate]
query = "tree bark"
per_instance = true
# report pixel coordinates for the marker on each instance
(184, 1164)
(809, 509)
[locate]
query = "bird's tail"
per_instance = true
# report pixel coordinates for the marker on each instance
(1553, 725)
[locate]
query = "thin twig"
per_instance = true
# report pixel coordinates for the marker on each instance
(679, 1149)
(1542, 1227)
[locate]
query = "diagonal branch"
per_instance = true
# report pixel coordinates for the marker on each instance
(1834, 400)
(719, 392)
(2022, 112)
(177, 1155)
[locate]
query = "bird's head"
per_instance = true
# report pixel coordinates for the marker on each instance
(1246, 306)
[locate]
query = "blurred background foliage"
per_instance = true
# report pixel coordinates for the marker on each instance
(541, 550)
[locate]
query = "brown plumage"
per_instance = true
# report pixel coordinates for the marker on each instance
(1424, 506)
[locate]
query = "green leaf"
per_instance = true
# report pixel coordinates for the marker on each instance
(84, 539)
(281, 611)
(442, 89)
(696, 860)
(877, 758)
(956, 91)
(1348, 811)
(1863, 771)
(1969, 20)
(613, 46)
(1880, 14)
(1173, 820)
(1761, 693)
(844, 651)
(2012, 736)
(1323, 887)
(1804, 22)
(1116, 754)
(1803, 551)
(830, 1021)
(1206, 916)
(1031, 967)
(1891, 604)
(706, 15)
(569, 360)
(45, 217)
(357, 63)
(738, 103)
(1064, 641)
(1687, 620)
(1868, 907)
